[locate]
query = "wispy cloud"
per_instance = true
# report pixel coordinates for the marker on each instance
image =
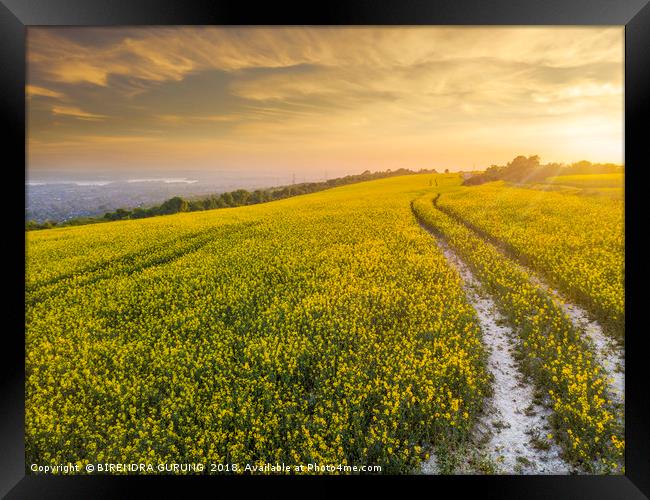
(451, 96)
(35, 90)
(189, 119)
(75, 112)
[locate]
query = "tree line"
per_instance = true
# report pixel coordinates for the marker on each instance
(529, 169)
(237, 198)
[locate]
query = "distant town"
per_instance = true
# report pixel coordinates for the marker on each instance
(63, 197)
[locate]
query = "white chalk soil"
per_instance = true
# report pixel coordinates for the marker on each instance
(513, 431)
(609, 353)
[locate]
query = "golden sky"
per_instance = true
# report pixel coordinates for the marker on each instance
(309, 99)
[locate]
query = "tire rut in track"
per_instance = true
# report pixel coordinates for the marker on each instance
(512, 418)
(609, 353)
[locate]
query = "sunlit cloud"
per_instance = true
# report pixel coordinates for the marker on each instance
(187, 119)
(75, 113)
(35, 90)
(253, 98)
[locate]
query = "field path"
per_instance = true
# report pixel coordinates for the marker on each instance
(511, 418)
(609, 353)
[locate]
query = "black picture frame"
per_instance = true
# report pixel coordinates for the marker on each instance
(16, 15)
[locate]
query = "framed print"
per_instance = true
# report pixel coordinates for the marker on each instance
(273, 246)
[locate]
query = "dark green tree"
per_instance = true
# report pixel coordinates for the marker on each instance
(174, 205)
